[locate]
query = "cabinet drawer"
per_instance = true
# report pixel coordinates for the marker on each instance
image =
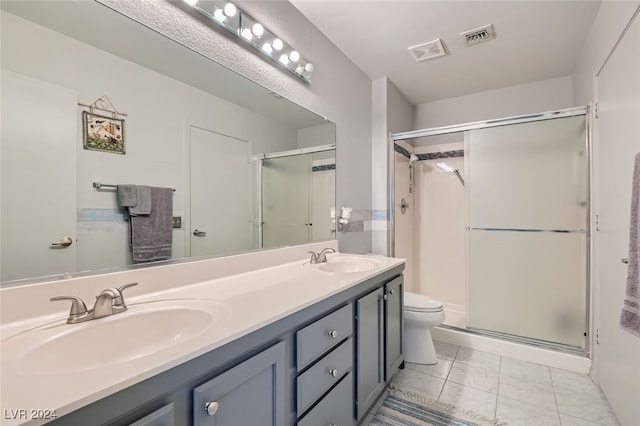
(325, 373)
(335, 409)
(315, 339)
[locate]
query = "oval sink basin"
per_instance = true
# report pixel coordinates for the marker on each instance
(337, 264)
(143, 329)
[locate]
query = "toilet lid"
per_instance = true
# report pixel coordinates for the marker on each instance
(420, 302)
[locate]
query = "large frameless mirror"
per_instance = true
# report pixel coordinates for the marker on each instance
(185, 122)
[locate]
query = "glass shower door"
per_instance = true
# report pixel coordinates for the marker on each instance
(285, 200)
(527, 230)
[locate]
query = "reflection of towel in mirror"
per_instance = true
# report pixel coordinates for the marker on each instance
(630, 317)
(151, 235)
(137, 198)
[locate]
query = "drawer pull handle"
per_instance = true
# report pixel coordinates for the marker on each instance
(333, 372)
(211, 408)
(391, 292)
(333, 334)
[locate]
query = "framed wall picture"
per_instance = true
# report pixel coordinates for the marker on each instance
(103, 133)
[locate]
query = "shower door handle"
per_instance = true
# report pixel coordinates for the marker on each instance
(197, 233)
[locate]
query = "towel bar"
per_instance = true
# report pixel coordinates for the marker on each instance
(99, 185)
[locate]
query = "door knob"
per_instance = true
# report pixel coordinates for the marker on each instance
(65, 242)
(197, 233)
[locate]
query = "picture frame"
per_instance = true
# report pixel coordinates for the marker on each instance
(101, 133)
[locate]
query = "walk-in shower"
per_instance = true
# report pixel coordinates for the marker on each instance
(500, 226)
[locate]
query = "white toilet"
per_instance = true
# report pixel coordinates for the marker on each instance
(421, 313)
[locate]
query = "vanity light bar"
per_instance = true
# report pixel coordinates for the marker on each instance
(235, 20)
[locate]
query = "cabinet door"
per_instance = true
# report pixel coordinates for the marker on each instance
(393, 326)
(252, 393)
(161, 417)
(370, 349)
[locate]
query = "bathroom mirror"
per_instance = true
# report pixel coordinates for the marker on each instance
(226, 145)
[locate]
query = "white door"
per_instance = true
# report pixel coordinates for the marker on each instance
(39, 122)
(220, 181)
(618, 139)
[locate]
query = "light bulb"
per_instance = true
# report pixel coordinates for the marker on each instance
(219, 15)
(294, 56)
(230, 9)
(299, 69)
(284, 59)
(277, 44)
(257, 29)
(191, 2)
(246, 33)
(308, 67)
(267, 47)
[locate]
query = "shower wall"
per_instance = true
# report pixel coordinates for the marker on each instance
(439, 230)
(430, 234)
(404, 228)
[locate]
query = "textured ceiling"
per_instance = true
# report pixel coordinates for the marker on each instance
(535, 40)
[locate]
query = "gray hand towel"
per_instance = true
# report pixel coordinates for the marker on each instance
(630, 316)
(151, 235)
(137, 198)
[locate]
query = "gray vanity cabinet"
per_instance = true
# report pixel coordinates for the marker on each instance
(370, 350)
(324, 385)
(380, 340)
(324, 365)
(161, 417)
(252, 393)
(393, 326)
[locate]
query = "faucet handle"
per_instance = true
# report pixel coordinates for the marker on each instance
(314, 257)
(78, 308)
(119, 300)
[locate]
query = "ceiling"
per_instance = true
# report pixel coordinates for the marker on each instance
(535, 40)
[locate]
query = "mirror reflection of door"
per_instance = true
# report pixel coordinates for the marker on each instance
(285, 200)
(221, 205)
(38, 177)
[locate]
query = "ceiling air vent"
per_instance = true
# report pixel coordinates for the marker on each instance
(478, 35)
(429, 50)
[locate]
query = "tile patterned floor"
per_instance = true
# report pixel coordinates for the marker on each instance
(514, 391)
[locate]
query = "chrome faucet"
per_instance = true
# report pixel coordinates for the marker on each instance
(320, 257)
(108, 302)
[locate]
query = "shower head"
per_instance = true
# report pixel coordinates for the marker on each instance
(444, 167)
(413, 158)
(449, 169)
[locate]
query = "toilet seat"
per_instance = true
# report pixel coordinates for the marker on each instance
(420, 303)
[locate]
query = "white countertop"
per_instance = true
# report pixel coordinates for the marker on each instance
(251, 301)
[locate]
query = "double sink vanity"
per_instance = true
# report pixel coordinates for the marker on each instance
(265, 338)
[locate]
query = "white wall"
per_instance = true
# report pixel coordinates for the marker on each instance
(159, 110)
(322, 134)
(530, 98)
(345, 100)
(607, 27)
(392, 113)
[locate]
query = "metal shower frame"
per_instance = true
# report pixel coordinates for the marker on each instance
(456, 128)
